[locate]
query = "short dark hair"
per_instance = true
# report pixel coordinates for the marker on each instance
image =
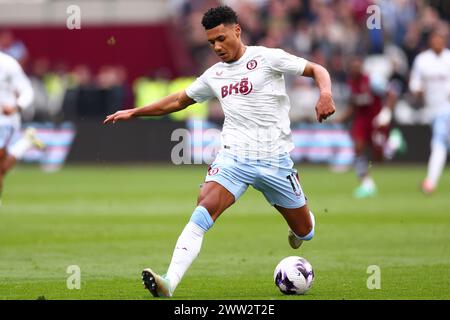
(439, 30)
(218, 15)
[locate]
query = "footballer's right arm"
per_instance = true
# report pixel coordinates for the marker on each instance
(171, 103)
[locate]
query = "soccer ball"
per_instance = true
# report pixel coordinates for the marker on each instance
(293, 275)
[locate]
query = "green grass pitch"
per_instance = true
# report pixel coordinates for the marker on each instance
(112, 221)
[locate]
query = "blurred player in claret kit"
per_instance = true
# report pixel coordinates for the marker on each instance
(256, 137)
(370, 108)
(16, 94)
(430, 78)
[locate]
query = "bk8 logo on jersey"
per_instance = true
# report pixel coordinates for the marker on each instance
(243, 87)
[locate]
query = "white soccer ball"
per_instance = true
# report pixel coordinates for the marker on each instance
(294, 275)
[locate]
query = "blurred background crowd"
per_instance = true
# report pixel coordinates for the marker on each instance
(328, 32)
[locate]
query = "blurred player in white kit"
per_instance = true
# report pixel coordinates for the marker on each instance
(430, 77)
(16, 94)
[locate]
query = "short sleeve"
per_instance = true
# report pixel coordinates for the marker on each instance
(284, 62)
(199, 90)
(415, 80)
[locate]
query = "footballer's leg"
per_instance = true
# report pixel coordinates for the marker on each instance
(2, 160)
(212, 201)
(5, 138)
(281, 187)
(438, 155)
(215, 198)
(367, 188)
(361, 133)
(227, 179)
(301, 224)
(17, 150)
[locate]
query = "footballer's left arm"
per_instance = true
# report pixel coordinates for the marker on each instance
(325, 106)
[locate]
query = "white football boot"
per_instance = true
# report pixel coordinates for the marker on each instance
(159, 286)
(30, 133)
(294, 242)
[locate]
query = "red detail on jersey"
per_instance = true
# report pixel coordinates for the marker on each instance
(368, 105)
(235, 88)
(243, 87)
(252, 64)
(362, 97)
(224, 91)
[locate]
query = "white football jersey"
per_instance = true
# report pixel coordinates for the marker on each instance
(253, 97)
(431, 75)
(15, 88)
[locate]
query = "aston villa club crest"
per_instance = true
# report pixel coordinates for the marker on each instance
(252, 64)
(213, 171)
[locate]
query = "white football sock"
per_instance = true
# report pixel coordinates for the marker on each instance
(186, 250)
(19, 149)
(436, 162)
